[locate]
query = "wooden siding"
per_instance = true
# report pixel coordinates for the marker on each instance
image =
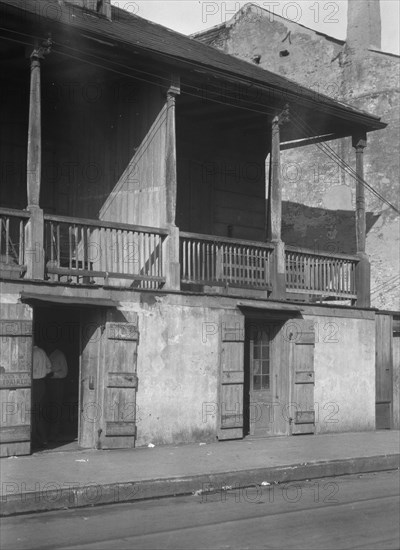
(384, 371)
(221, 177)
(139, 195)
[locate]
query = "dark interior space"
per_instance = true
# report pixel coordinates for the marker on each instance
(59, 328)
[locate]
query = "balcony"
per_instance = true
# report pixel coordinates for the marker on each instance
(94, 252)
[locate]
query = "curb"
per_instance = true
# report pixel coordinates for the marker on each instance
(55, 496)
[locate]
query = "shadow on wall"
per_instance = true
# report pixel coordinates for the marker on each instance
(320, 229)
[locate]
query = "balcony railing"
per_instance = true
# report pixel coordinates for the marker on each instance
(12, 241)
(208, 260)
(84, 251)
(323, 274)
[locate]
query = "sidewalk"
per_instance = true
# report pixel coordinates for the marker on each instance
(67, 479)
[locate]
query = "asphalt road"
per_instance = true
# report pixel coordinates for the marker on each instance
(345, 512)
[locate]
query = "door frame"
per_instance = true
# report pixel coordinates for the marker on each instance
(280, 382)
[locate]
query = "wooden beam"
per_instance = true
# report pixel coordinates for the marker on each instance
(310, 141)
(34, 159)
(34, 231)
(170, 150)
(363, 271)
(274, 215)
(171, 243)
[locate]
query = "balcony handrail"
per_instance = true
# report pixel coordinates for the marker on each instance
(223, 240)
(105, 224)
(86, 250)
(310, 252)
(14, 212)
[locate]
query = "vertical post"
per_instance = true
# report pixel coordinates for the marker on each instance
(274, 216)
(171, 255)
(363, 271)
(34, 232)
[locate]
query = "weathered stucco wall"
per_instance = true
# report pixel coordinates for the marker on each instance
(344, 363)
(178, 372)
(362, 77)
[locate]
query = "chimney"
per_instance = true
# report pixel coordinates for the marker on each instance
(102, 7)
(363, 25)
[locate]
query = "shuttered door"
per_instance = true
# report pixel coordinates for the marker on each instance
(301, 354)
(383, 371)
(120, 380)
(231, 378)
(15, 379)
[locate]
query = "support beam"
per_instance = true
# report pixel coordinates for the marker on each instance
(274, 214)
(34, 160)
(170, 150)
(171, 254)
(363, 273)
(34, 232)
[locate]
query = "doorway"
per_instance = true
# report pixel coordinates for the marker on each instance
(265, 381)
(56, 330)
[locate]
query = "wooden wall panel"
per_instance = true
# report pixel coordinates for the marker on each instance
(383, 371)
(139, 195)
(221, 180)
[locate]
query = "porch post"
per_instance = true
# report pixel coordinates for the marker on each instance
(34, 232)
(363, 271)
(172, 266)
(275, 210)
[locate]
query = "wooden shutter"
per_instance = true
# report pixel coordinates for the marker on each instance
(383, 371)
(231, 378)
(302, 343)
(118, 429)
(15, 379)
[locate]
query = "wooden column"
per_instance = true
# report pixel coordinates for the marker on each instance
(363, 273)
(171, 254)
(274, 215)
(34, 232)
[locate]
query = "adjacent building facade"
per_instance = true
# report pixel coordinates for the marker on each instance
(359, 73)
(136, 238)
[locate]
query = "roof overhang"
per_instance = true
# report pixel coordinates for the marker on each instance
(270, 312)
(129, 37)
(35, 298)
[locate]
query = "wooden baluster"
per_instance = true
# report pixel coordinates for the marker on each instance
(189, 259)
(1, 235)
(161, 263)
(7, 239)
(70, 246)
(21, 243)
(184, 259)
(153, 249)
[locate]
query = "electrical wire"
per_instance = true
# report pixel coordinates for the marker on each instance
(299, 122)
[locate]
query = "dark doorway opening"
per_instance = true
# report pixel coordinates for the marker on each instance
(58, 328)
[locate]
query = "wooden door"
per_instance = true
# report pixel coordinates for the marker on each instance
(383, 371)
(267, 380)
(15, 379)
(231, 378)
(301, 336)
(90, 405)
(108, 382)
(120, 381)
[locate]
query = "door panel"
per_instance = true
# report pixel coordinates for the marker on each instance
(91, 335)
(231, 378)
(383, 371)
(268, 387)
(15, 379)
(108, 382)
(301, 361)
(118, 427)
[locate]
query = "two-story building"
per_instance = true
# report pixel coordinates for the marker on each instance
(137, 238)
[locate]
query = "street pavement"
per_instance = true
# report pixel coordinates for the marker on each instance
(59, 480)
(357, 512)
